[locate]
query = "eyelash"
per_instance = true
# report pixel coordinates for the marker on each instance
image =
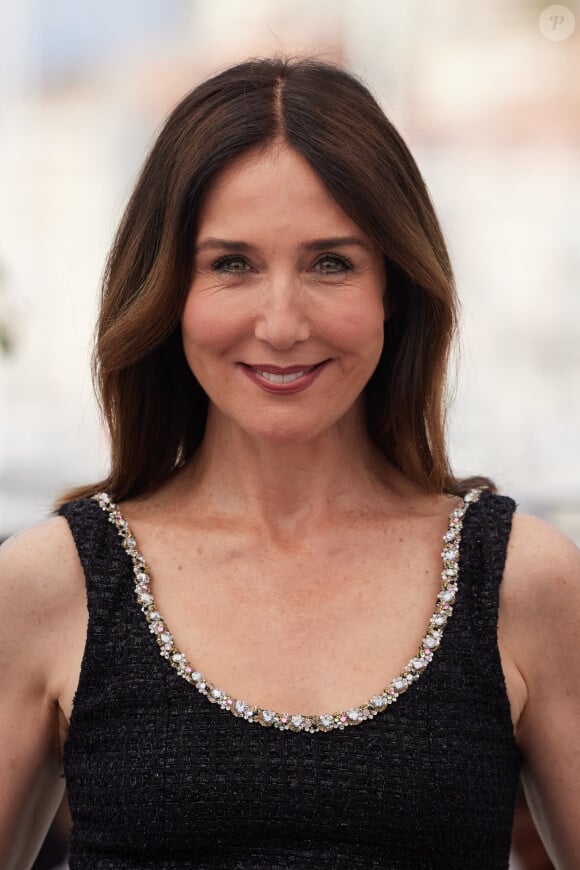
(343, 264)
(219, 265)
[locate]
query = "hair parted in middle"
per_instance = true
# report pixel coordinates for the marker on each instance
(154, 408)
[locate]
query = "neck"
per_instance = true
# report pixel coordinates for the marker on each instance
(288, 485)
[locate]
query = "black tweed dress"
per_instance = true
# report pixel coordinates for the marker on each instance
(158, 777)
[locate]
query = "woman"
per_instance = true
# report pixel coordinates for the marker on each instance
(264, 564)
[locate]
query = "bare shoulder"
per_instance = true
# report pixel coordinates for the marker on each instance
(540, 625)
(41, 639)
(50, 536)
(542, 569)
(48, 546)
(44, 613)
(39, 571)
(539, 619)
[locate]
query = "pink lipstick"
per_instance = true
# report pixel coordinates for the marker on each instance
(283, 380)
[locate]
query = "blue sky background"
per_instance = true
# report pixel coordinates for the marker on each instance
(70, 37)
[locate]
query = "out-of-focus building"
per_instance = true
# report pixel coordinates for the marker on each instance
(490, 108)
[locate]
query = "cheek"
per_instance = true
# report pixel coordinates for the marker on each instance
(361, 329)
(206, 325)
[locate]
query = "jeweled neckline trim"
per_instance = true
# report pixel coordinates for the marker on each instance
(299, 721)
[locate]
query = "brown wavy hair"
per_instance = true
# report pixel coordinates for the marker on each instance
(154, 407)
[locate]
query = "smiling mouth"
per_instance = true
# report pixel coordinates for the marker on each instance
(275, 378)
(288, 379)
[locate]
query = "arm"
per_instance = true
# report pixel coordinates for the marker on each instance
(39, 581)
(540, 627)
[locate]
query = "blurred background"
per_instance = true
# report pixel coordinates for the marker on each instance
(486, 94)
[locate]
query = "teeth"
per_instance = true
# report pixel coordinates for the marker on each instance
(280, 379)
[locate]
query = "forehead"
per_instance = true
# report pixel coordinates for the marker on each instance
(274, 186)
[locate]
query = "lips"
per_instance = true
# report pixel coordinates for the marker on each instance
(283, 378)
(287, 379)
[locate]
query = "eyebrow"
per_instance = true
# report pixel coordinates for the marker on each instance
(314, 245)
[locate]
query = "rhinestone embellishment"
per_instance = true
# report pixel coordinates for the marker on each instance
(297, 721)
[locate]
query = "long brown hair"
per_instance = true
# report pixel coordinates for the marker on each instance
(154, 408)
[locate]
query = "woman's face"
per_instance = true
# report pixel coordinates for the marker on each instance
(283, 324)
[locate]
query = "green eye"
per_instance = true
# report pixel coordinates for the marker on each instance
(232, 263)
(331, 264)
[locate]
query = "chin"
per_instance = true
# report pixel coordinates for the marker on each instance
(284, 433)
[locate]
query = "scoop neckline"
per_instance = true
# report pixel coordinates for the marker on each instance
(300, 722)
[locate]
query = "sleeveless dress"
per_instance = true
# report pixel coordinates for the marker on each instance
(158, 777)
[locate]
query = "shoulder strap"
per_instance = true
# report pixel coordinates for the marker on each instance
(485, 536)
(107, 567)
(119, 650)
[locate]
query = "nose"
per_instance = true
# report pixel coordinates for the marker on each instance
(282, 320)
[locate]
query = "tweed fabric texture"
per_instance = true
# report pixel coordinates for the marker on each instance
(158, 777)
